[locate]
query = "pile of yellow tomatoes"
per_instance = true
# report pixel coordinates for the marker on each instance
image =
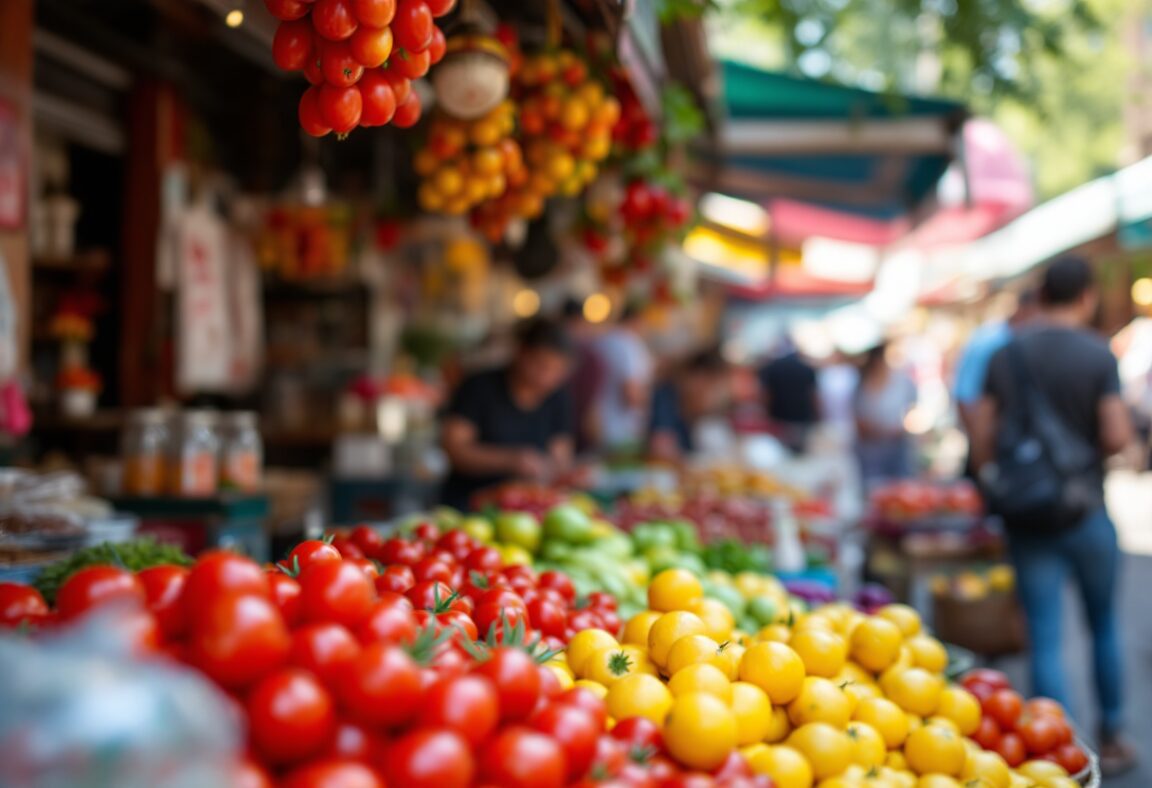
(465, 163)
(831, 697)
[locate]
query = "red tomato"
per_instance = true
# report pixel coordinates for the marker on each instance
(467, 704)
(440, 7)
(249, 774)
(549, 687)
(388, 623)
(407, 112)
(611, 755)
(340, 69)
(548, 617)
(412, 25)
(520, 576)
(579, 620)
(494, 619)
(576, 731)
(343, 544)
(287, 10)
(397, 578)
(309, 115)
(432, 569)
(400, 551)
(367, 566)
(460, 621)
(517, 681)
(1043, 707)
(689, 780)
(637, 732)
(988, 734)
(354, 742)
(338, 592)
(308, 552)
(484, 560)
(290, 716)
(292, 45)
(1071, 757)
(980, 690)
(601, 600)
(163, 586)
(412, 65)
(402, 89)
(610, 621)
(334, 19)
(520, 757)
(560, 583)
(429, 758)
(458, 543)
(428, 594)
(219, 572)
(993, 678)
(1011, 749)
(450, 661)
(1041, 735)
(138, 629)
(237, 638)
(325, 649)
(425, 531)
(20, 603)
(1005, 706)
(368, 539)
(382, 686)
(285, 593)
(735, 766)
(331, 772)
(94, 586)
(375, 13)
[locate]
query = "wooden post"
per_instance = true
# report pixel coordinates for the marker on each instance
(16, 23)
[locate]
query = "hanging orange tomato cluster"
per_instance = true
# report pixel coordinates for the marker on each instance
(463, 163)
(360, 56)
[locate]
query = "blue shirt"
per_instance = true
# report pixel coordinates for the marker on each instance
(973, 366)
(667, 416)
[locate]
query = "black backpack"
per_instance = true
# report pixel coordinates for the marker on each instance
(1046, 476)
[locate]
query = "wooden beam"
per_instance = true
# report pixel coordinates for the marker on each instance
(16, 25)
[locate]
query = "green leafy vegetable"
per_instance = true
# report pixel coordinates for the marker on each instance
(134, 555)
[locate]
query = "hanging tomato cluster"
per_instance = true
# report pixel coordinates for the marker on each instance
(652, 214)
(360, 57)
(463, 163)
(634, 132)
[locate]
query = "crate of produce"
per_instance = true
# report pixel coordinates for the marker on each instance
(979, 611)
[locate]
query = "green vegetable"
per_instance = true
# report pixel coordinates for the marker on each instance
(134, 555)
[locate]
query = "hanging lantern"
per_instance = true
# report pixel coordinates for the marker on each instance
(474, 76)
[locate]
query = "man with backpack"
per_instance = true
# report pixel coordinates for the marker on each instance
(1050, 415)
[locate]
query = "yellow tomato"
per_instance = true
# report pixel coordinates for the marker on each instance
(868, 747)
(819, 700)
(787, 767)
(1040, 771)
(876, 643)
(960, 706)
(637, 628)
(823, 652)
(595, 687)
(701, 677)
(937, 781)
(716, 617)
(928, 653)
(779, 726)
(425, 162)
(987, 770)
(691, 650)
(933, 749)
(583, 645)
(429, 198)
(943, 722)
(731, 654)
(1059, 782)
(826, 747)
(563, 675)
(896, 761)
(816, 620)
(488, 161)
(669, 628)
(753, 712)
(674, 589)
(486, 133)
(639, 695)
(888, 719)
(903, 616)
(915, 690)
(774, 668)
(700, 730)
(750, 584)
(574, 115)
(608, 665)
(448, 181)
(778, 633)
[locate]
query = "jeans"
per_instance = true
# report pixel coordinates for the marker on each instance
(1091, 554)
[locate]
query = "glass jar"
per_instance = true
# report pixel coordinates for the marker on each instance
(144, 451)
(242, 454)
(194, 470)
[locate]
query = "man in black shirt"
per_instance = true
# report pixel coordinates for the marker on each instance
(790, 394)
(1076, 373)
(514, 422)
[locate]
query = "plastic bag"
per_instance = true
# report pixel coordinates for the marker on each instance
(77, 709)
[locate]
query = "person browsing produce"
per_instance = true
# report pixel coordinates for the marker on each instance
(513, 422)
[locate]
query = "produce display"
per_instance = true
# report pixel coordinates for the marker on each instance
(424, 658)
(970, 584)
(359, 56)
(918, 500)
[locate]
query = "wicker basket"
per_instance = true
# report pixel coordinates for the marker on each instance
(991, 625)
(1089, 776)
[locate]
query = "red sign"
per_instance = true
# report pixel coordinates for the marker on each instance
(11, 170)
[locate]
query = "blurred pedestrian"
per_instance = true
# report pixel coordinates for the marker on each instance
(513, 422)
(1056, 388)
(698, 389)
(788, 385)
(626, 388)
(883, 398)
(587, 374)
(837, 380)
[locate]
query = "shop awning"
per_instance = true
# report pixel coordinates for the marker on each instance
(856, 151)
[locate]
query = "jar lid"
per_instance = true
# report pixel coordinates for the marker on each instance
(240, 418)
(199, 417)
(149, 416)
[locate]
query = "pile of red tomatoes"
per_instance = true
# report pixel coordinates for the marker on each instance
(360, 57)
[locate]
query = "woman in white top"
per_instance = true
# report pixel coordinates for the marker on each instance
(883, 398)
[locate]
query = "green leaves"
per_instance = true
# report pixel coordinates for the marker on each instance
(134, 555)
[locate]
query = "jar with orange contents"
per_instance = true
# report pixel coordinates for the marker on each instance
(242, 454)
(144, 452)
(194, 467)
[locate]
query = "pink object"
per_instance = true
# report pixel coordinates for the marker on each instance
(15, 415)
